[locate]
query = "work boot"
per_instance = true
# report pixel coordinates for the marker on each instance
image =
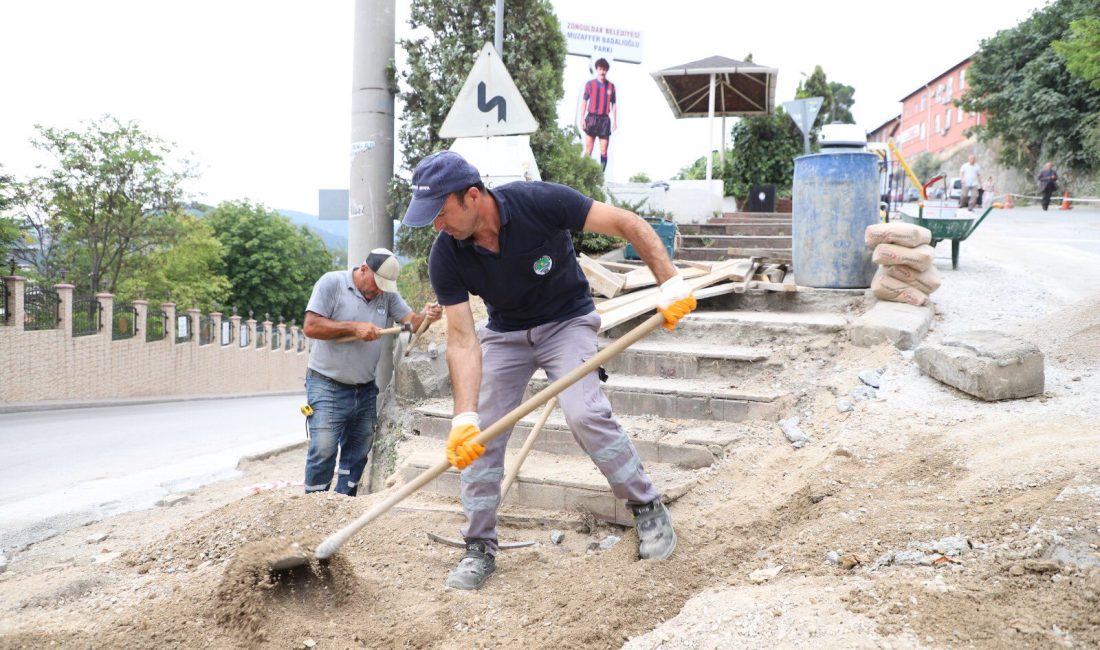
(473, 569)
(656, 538)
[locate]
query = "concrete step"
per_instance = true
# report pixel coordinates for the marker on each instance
(686, 359)
(657, 440)
(751, 327)
(548, 481)
(702, 254)
(735, 241)
(692, 399)
(748, 228)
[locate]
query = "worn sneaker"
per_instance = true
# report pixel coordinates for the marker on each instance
(656, 538)
(473, 569)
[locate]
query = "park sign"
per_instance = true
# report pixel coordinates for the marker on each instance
(601, 41)
(489, 104)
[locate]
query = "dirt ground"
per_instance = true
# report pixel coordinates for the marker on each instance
(923, 518)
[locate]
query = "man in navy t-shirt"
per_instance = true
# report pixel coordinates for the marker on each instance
(512, 246)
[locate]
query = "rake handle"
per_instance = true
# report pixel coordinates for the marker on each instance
(331, 544)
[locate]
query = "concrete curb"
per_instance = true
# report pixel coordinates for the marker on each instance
(263, 455)
(23, 407)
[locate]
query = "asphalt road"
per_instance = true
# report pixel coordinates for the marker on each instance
(65, 468)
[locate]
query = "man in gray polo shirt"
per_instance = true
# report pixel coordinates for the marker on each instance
(340, 384)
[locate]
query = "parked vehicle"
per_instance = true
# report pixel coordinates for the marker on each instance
(955, 188)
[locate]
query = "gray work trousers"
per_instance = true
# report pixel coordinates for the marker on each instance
(509, 360)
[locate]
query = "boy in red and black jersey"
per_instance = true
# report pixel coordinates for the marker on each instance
(599, 111)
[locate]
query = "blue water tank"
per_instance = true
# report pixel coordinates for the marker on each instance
(835, 198)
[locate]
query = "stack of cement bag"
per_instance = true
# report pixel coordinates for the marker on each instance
(905, 272)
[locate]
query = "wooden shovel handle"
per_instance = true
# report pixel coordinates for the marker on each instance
(396, 329)
(527, 445)
(337, 539)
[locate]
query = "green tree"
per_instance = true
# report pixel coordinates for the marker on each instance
(439, 62)
(110, 195)
(1035, 106)
(816, 85)
(844, 97)
(926, 166)
(10, 230)
(764, 149)
(640, 177)
(1081, 50)
(191, 266)
(271, 264)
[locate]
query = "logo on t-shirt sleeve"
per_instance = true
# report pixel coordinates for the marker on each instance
(543, 265)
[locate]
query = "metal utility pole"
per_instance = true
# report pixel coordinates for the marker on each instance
(369, 225)
(498, 40)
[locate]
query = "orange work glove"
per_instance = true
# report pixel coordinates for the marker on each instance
(460, 450)
(676, 301)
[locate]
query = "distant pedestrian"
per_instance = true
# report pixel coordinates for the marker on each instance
(340, 384)
(970, 175)
(1048, 183)
(600, 111)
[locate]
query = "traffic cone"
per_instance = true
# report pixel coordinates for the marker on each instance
(1065, 202)
(1008, 202)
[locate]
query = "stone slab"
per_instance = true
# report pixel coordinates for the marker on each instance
(902, 325)
(987, 364)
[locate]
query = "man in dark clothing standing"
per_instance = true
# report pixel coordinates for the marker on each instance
(1048, 183)
(600, 111)
(511, 245)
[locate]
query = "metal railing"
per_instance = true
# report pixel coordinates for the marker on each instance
(244, 335)
(206, 330)
(260, 335)
(5, 315)
(41, 308)
(155, 329)
(123, 321)
(301, 341)
(274, 338)
(86, 313)
(226, 337)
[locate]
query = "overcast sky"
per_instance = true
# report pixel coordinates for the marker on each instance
(258, 92)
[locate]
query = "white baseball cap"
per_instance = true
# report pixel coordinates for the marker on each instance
(386, 267)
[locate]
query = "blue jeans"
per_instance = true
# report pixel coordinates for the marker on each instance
(342, 421)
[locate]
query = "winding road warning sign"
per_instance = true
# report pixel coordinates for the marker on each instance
(489, 103)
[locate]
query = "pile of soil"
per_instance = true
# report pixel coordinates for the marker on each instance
(923, 518)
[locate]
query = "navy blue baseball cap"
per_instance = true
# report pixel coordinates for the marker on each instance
(433, 179)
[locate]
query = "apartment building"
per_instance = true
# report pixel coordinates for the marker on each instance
(930, 121)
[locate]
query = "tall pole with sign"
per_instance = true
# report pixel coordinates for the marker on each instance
(804, 112)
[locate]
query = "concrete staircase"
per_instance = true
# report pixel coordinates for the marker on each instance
(738, 234)
(682, 396)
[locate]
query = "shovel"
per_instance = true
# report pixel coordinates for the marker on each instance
(328, 547)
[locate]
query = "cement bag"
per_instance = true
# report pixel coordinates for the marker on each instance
(919, 258)
(927, 281)
(887, 288)
(904, 234)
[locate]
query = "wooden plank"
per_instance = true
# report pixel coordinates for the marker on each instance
(624, 312)
(698, 264)
(720, 267)
(617, 266)
(605, 283)
(643, 277)
(774, 286)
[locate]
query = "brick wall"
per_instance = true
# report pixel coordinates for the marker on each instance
(52, 364)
